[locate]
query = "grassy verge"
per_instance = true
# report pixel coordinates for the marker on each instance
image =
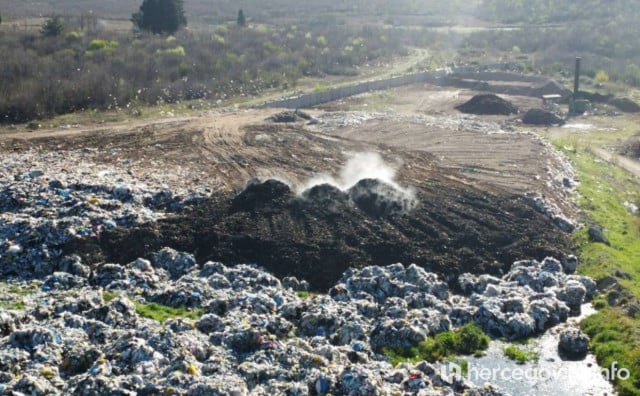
(604, 188)
(469, 339)
(615, 338)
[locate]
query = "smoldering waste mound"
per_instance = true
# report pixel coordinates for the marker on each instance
(324, 231)
(488, 104)
(541, 117)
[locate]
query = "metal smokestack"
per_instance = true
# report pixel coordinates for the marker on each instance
(576, 82)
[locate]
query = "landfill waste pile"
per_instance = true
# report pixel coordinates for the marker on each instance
(65, 198)
(541, 117)
(488, 104)
(320, 233)
(240, 330)
(112, 282)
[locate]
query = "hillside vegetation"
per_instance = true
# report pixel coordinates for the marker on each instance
(91, 66)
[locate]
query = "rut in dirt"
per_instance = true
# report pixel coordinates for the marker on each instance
(319, 234)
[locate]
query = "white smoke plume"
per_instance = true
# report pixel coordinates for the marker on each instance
(362, 166)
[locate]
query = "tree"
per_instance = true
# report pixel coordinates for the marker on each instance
(52, 27)
(160, 16)
(241, 19)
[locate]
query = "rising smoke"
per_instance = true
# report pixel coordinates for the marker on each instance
(365, 166)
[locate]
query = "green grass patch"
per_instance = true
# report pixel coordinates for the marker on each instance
(161, 312)
(616, 338)
(157, 311)
(306, 294)
(466, 340)
(520, 355)
(108, 296)
(18, 305)
(603, 190)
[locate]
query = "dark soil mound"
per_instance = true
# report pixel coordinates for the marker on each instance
(488, 104)
(378, 199)
(541, 117)
(593, 97)
(259, 195)
(326, 196)
(318, 235)
(626, 105)
(290, 116)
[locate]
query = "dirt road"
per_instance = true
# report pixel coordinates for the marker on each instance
(630, 165)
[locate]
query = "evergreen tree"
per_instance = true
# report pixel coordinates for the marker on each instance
(160, 16)
(52, 27)
(241, 19)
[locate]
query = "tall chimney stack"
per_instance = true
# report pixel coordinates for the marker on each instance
(576, 81)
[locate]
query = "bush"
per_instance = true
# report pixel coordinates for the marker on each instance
(601, 77)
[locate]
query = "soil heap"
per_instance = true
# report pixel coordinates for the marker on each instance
(488, 104)
(541, 117)
(625, 105)
(320, 233)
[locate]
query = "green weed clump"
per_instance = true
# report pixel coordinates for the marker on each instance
(108, 296)
(306, 294)
(520, 355)
(161, 312)
(466, 340)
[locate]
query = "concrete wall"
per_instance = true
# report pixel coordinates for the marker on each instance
(463, 77)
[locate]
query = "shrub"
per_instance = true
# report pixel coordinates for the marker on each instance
(177, 51)
(99, 44)
(601, 77)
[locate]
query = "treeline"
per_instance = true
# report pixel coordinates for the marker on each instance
(43, 76)
(557, 11)
(603, 33)
(198, 11)
(610, 48)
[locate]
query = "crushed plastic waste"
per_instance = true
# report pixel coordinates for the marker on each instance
(240, 330)
(48, 199)
(573, 343)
